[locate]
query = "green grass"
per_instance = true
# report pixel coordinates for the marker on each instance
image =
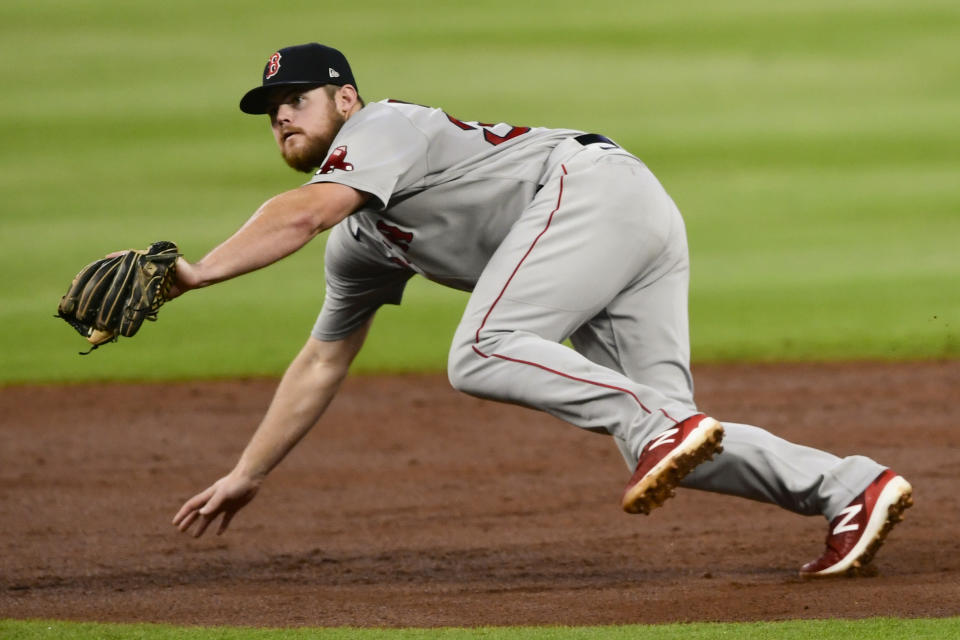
(811, 146)
(870, 629)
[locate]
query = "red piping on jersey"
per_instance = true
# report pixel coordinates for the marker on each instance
(534, 364)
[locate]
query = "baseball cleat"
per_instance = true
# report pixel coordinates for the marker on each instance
(857, 532)
(667, 458)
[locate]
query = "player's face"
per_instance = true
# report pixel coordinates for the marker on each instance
(304, 123)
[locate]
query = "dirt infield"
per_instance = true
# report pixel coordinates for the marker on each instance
(413, 505)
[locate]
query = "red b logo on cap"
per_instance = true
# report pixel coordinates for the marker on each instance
(273, 66)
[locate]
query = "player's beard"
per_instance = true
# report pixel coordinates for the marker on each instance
(311, 149)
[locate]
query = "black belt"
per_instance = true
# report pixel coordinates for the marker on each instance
(591, 138)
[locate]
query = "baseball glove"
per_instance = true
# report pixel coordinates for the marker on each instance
(111, 297)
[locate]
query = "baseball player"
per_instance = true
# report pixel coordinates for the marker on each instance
(558, 234)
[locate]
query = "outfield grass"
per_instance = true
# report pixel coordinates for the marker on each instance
(870, 629)
(811, 146)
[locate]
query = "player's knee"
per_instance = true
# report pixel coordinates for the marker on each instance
(473, 367)
(465, 368)
(460, 368)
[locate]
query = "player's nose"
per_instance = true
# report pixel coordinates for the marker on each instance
(284, 113)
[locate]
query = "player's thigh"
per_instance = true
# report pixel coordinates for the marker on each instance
(587, 235)
(644, 334)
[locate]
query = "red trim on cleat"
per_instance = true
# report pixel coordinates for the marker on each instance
(859, 530)
(667, 458)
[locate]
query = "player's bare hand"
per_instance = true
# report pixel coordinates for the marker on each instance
(226, 496)
(185, 277)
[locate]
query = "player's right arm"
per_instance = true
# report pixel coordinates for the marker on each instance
(307, 387)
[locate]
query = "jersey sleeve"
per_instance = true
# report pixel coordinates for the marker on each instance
(358, 282)
(378, 151)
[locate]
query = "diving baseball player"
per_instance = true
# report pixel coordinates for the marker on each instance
(558, 234)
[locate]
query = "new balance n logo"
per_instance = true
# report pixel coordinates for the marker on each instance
(846, 516)
(664, 438)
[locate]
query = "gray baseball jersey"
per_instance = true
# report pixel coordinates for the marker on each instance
(445, 194)
(557, 235)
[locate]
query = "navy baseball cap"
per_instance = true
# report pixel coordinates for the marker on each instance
(304, 64)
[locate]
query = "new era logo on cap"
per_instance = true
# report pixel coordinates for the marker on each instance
(333, 73)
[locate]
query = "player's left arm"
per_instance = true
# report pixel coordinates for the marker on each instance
(281, 226)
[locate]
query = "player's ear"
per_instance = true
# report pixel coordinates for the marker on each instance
(347, 99)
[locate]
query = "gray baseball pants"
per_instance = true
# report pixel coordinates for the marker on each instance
(600, 257)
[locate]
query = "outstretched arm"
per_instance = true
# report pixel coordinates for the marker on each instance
(307, 387)
(279, 227)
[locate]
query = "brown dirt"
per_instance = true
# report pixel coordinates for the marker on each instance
(413, 505)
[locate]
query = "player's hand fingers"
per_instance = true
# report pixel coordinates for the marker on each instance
(209, 512)
(187, 521)
(193, 504)
(204, 521)
(187, 512)
(226, 496)
(227, 517)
